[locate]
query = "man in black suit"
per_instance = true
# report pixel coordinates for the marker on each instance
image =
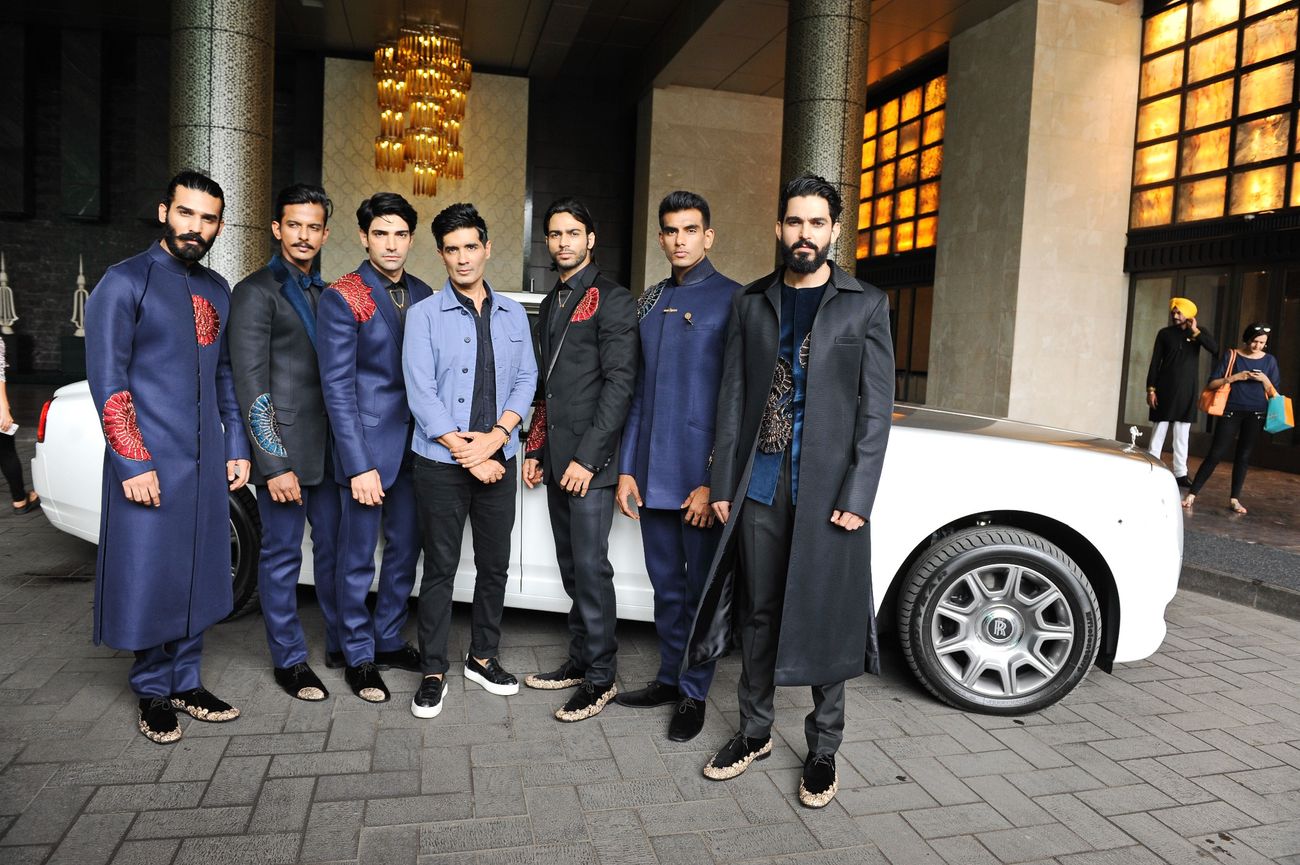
(272, 337)
(586, 338)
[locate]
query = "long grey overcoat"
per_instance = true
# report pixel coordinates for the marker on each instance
(828, 627)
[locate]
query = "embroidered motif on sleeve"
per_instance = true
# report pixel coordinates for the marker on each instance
(121, 428)
(537, 432)
(207, 323)
(649, 298)
(357, 294)
(777, 427)
(263, 427)
(587, 307)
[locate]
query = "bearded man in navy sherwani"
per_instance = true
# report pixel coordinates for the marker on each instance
(359, 328)
(160, 377)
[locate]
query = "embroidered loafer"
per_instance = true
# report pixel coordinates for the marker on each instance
(366, 683)
(158, 720)
(587, 701)
(301, 682)
(203, 705)
(735, 756)
(556, 680)
(820, 781)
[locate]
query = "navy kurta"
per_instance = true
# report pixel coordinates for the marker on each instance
(159, 374)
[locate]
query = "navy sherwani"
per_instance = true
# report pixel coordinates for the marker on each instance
(667, 445)
(359, 345)
(159, 374)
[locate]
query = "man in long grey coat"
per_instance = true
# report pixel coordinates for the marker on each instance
(803, 420)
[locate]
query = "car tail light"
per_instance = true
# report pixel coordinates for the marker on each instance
(40, 427)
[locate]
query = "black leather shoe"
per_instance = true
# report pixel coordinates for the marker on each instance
(301, 682)
(653, 694)
(405, 658)
(688, 720)
(335, 660)
(366, 683)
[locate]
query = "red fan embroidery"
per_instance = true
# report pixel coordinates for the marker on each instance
(357, 294)
(121, 428)
(537, 433)
(207, 323)
(587, 307)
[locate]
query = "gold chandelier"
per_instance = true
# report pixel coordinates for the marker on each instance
(422, 83)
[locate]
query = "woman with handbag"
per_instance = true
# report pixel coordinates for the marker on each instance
(1252, 376)
(10, 466)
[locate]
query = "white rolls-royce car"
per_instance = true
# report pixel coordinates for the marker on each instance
(1010, 556)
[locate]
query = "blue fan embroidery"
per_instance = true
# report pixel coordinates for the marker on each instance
(261, 423)
(649, 298)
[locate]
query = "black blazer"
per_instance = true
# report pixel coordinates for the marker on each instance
(277, 378)
(584, 398)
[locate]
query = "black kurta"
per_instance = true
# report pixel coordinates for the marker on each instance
(1173, 372)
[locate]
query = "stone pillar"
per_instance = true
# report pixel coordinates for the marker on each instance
(222, 91)
(825, 98)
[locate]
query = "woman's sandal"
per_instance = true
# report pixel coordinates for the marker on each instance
(1188, 499)
(1236, 507)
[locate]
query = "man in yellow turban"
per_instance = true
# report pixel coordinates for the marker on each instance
(1172, 385)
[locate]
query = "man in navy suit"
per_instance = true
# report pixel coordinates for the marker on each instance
(277, 378)
(667, 445)
(359, 329)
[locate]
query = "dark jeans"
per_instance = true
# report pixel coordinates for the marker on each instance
(12, 468)
(445, 495)
(581, 527)
(1244, 426)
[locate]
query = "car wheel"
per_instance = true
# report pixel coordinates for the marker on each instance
(245, 549)
(998, 620)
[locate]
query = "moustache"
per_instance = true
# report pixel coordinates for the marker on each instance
(192, 235)
(805, 244)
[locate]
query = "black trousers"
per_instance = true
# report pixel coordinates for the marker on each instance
(12, 468)
(1244, 426)
(445, 495)
(581, 527)
(766, 532)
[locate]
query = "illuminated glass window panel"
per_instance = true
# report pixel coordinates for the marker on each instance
(933, 130)
(1254, 7)
(1209, 104)
(909, 137)
(1201, 199)
(1210, 15)
(1213, 56)
(864, 244)
(1152, 207)
(1265, 138)
(931, 162)
(1261, 189)
(864, 214)
(929, 202)
(1163, 30)
(1266, 88)
(906, 207)
(1155, 163)
(925, 231)
(907, 170)
(889, 145)
(1207, 151)
(884, 209)
(880, 242)
(911, 105)
(1158, 119)
(868, 183)
(906, 238)
(1295, 185)
(886, 177)
(936, 92)
(869, 124)
(869, 152)
(1268, 38)
(1162, 74)
(889, 114)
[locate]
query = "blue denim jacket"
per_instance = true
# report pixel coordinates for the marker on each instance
(438, 355)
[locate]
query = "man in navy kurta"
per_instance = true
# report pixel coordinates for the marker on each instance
(160, 377)
(667, 443)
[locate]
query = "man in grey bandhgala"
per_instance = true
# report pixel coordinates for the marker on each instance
(803, 420)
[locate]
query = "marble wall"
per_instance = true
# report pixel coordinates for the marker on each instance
(495, 139)
(723, 146)
(1030, 293)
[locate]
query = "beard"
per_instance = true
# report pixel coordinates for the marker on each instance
(188, 254)
(804, 265)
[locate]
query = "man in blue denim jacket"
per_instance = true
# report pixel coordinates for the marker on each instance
(470, 378)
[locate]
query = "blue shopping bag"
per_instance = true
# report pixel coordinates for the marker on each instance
(1281, 415)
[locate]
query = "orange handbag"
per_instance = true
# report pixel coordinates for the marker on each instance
(1215, 401)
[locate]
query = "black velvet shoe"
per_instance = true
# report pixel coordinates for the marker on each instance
(653, 694)
(335, 660)
(300, 682)
(820, 781)
(587, 701)
(366, 683)
(202, 705)
(405, 658)
(557, 680)
(735, 756)
(688, 720)
(158, 720)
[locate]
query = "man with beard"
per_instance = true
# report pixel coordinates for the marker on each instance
(273, 354)
(664, 465)
(587, 356)
(359, 328)
(803, 419)
(159, 374)
(1172, 382)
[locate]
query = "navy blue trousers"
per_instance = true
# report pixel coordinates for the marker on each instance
(677, 557)
(167, 669)
(360, 634)
(281, 562)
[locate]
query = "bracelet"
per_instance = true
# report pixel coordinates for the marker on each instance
(1151, 390)
(503, 429)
